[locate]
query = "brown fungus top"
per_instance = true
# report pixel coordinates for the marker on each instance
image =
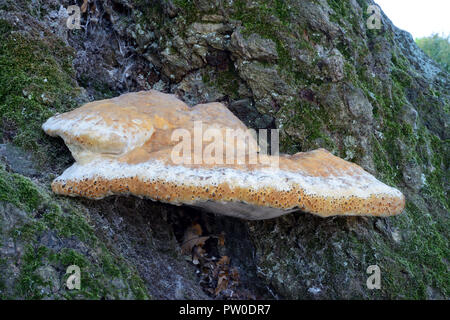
(153, 145)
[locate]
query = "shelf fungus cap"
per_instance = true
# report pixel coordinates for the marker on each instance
(125, 145)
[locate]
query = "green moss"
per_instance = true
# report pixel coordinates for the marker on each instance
(19, 190)
(282, 11)
(389, 105)
(420, 258)
(63, 217)
(418, 262)
(188, 10)
(270, 20)
(101, 90)
(308, 120)
(226, 81)
(341, 10)
(5, 27)
(399, 71)
(36, 80)
(3, 287)
(438, 176)
(29, 283)
(109, 266)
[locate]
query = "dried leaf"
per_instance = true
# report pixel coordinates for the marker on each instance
(192, 237)
(224, 260)
(222, 284)
(221, 239)
(234, 275)
(94, 8)
(197, 253)
(187, 245)
(196, 229)
(84, 6)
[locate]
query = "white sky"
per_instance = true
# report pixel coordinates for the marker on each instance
(421, 18)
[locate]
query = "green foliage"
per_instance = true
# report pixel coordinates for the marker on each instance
(438, 48)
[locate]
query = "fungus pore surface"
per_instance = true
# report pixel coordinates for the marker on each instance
(125, 145)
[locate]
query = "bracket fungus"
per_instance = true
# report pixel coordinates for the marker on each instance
(125, 145)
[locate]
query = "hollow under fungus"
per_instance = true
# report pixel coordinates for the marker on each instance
(125, 145)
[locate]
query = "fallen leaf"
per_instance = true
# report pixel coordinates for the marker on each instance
(234, 275)
(192, 237)
(224, 260)
(196, 229)
(221, 239)
(197, 253)
(84, 6)
(93, 8)
(222, 284)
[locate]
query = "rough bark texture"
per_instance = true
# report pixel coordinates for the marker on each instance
(309, 68)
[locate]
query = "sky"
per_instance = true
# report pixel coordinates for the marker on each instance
(421, 18)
